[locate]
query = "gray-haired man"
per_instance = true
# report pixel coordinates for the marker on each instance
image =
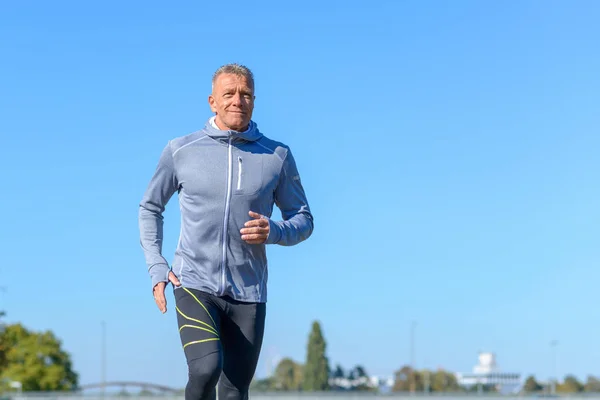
(228, 176)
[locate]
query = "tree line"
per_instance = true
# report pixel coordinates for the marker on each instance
(315, 374)
(39, 363)
(570, 384)
(442, 381)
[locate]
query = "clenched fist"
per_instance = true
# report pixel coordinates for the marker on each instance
(255, 231)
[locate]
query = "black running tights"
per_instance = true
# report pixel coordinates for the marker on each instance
(221, 339)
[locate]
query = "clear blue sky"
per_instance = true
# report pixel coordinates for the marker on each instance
(449, 151)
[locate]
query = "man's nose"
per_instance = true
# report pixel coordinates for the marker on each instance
(238, 100)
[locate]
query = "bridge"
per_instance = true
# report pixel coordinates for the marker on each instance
(147, 386)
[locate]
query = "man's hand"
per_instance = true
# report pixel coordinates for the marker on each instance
(256, 230)
(159, 292)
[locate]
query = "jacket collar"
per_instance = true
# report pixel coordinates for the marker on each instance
(251, 134)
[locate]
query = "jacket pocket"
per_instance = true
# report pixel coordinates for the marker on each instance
(248, 174)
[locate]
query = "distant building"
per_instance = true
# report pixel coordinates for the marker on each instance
(372, 382)
(486, 373)
(383, 385)
(350, 384)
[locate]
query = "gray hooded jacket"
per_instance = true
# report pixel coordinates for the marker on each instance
(220, 176)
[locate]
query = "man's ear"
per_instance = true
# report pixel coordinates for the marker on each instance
(211, 103)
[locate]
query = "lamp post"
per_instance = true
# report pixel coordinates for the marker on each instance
(103, 358)
(553, 345)
(413, 326)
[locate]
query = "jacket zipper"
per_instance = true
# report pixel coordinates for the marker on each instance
(239, 182)
(226, 218)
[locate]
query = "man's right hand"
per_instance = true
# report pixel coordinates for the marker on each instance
(159, 292)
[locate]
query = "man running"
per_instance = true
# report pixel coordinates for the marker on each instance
(228, 176)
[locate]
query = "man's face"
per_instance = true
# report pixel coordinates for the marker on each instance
(232, 100)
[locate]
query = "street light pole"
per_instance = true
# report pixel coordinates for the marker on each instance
(413, 326)
(103, 366)
(553, 345)
(412, 355)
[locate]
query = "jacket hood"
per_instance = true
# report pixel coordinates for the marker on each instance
(251, 134)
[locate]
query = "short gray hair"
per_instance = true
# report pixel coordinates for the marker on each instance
(236, 69)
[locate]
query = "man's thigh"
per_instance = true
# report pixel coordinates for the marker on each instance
(199, 323)
(242, 336)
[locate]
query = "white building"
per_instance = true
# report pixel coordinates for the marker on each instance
(486, 373)
(373, 382)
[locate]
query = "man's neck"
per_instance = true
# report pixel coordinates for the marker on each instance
(223, 127)
(220, 125)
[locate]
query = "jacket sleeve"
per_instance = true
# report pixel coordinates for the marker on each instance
(161, 188)
(297, 224)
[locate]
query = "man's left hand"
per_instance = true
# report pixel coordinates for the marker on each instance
(256, 230)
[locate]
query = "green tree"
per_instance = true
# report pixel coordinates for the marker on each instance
(339, 372)
(444, 381)
(316, 368)
(35, 359)
(338, 376)
(531, 385)
(592, 384)
(406, 379)
(359, 377)
(570, 385)
(287, 375)
(359, 372)
(262, 385)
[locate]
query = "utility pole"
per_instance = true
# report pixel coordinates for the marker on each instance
(413, 326)
(2, 312)
(103, 358)
(3, 290)
(553, 345)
